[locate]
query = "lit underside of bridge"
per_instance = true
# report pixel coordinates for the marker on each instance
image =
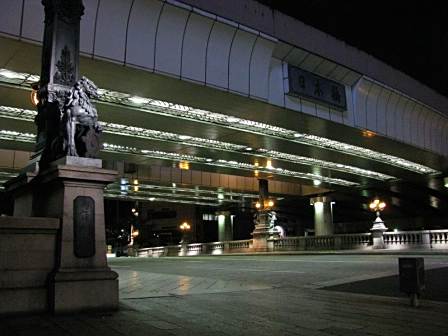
(154, 119)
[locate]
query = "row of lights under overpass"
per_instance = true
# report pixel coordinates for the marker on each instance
(25, 80)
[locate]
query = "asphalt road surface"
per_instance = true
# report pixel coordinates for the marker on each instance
(370, 274)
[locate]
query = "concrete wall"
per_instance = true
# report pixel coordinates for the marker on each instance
(27, 256)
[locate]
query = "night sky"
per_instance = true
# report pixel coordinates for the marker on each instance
(412, 36)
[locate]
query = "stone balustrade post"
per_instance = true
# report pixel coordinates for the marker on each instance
(226, 248)
(426, 239)
(338, 242)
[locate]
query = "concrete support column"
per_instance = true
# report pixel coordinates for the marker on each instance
(323, 216)
(225, 226)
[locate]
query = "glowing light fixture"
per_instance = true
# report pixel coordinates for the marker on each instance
(318, 205)
(317, 182)
(139, 100)
(34, 97)
(377, 205)
(368, 134)
(185, 226)
(232, 120)
(185, 165)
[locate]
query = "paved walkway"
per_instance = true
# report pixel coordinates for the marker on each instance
(261, 295)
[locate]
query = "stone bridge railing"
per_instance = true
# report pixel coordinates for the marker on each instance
(402, 240)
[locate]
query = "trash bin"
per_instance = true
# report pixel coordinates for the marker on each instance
(412, 277)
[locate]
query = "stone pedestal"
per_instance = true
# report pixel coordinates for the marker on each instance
(262, 234)
(71, 189)
(27, 256)
(378, 230)
(183, 248)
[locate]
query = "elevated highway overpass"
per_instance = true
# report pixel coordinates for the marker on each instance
(197, 94)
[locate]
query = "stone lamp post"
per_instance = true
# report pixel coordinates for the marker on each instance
(378, 227)
(185, 229)
(264, 220)
(65, 178)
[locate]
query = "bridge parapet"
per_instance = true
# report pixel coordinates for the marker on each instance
(401, 240)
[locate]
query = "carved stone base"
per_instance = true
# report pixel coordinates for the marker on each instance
(378, 239)
(263, 233)
(71, 189)
(378, 229)
(262, 238)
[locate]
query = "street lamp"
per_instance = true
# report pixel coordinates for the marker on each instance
(184, 228)
(135, 233)
(377, 206)
(267, 204)
(378, 227)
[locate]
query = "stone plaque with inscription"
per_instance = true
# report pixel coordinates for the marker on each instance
(84, 226)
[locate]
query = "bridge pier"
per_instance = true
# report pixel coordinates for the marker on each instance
(323, 216)
(225, 226)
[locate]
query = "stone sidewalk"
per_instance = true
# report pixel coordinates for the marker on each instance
(249, 296)
(314, 313)
(275, 311)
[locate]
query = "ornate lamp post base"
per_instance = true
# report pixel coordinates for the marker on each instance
(263, 233)
(71, 189)
(378, 230)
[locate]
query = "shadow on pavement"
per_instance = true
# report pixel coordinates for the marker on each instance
(436, 286)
